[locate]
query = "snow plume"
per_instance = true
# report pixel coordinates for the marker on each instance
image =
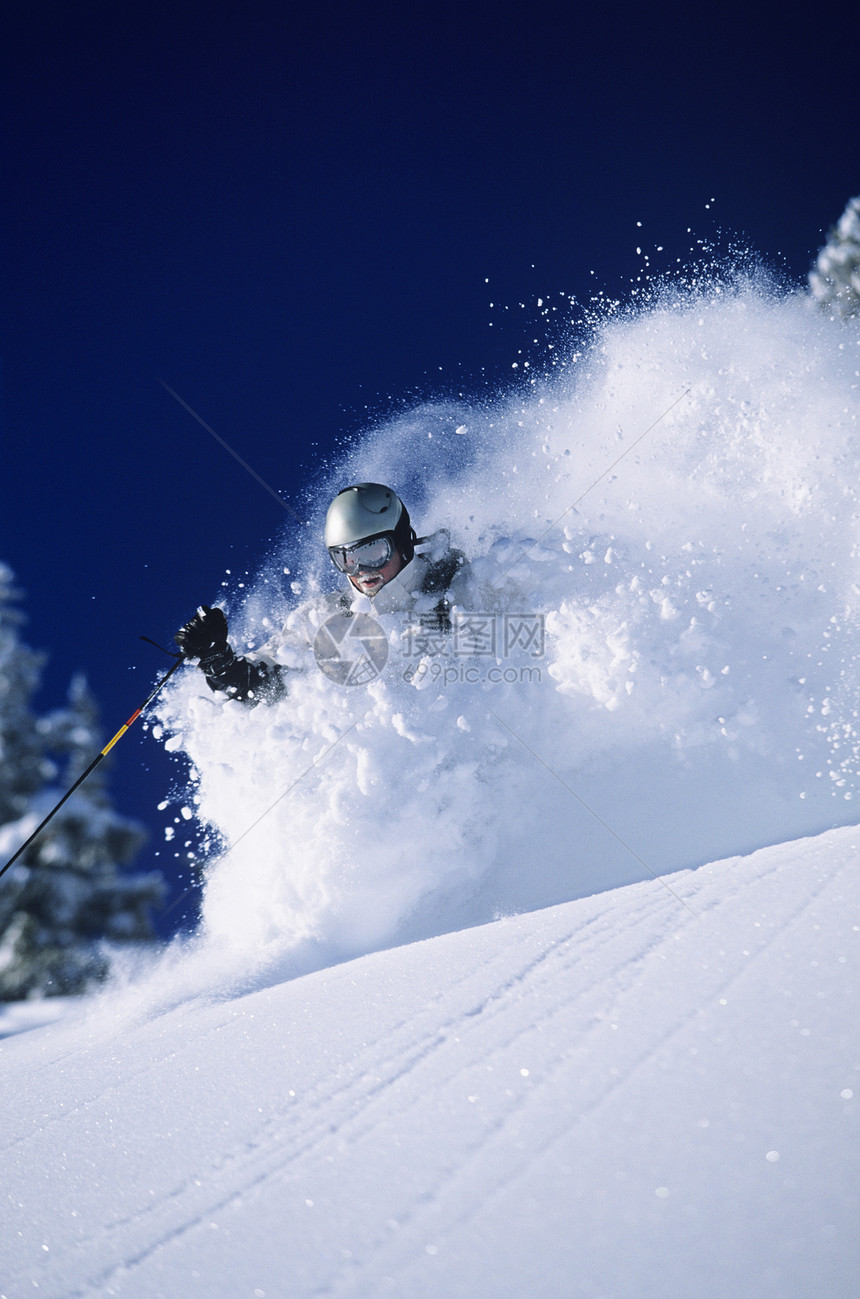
(662, 529)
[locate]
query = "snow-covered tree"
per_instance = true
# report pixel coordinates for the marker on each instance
(834, 281)
(64, 901)
(23, 767)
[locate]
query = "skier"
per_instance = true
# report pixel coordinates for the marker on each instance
(370, 539)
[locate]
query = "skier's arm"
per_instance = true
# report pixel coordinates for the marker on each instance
(204, 638)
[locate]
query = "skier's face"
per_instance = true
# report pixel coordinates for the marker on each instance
(370, 581)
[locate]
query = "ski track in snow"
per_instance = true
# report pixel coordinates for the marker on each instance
(427, 1133)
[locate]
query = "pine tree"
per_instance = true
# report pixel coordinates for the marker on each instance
(64, 902)
(23, 767)
(835, 279)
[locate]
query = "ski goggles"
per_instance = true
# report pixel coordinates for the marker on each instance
(374, 553)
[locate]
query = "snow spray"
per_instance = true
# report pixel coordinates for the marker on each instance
(689, 679)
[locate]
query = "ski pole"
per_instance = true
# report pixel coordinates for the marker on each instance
(180, 659)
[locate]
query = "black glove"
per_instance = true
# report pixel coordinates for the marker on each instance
(204, 635)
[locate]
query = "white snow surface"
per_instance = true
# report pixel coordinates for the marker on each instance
(466, 1015)
(622, 1096)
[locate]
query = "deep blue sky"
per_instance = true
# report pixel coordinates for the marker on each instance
(289, 217)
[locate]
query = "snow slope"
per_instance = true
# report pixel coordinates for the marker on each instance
(647, 1092)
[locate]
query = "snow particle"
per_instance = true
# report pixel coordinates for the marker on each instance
(772, 1156)
(432, 1249)
(846, 1094)
(524, 1072)
(662, 1192)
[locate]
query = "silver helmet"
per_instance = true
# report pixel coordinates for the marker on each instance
(369, 510)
